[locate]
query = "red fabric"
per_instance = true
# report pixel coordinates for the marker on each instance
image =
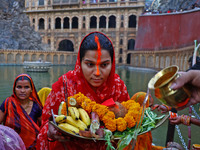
(109, 102)
(19, 120)
(114, 88)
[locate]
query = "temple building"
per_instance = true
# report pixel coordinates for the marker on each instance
(63, 23)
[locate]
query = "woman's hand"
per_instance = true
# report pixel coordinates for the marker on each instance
(175, 120)
(54, 134)
(191, 79)
(163, 108)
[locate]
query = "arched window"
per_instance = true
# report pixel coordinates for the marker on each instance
(66, 23)
(49, 41)
(74, 23)
(33, 3)
(122, 17)
(41, 2)
(132, 21)
(41, 24)
(58, 23)
(102, 22)
(121, 51)
(112, 22)
(128, 60)
(83, 18)
(33, 20)
(121, 41)
(131, 44)
(93, 22)
(66, 45)
(120, 60)
(122, 25)
(27, 3)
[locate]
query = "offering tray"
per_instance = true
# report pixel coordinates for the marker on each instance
(159, 123)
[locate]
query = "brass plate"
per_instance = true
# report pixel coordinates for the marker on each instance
(160, 122)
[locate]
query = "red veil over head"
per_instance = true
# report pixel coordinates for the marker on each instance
(114, 87)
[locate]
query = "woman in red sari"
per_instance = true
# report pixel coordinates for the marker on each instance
(94, 76)
(22, 110)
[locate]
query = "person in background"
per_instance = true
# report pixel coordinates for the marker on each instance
(94, 76)
(22, 110)
(10, 140)
(196, 66)
(43, 93)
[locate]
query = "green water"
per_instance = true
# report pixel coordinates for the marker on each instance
(135, 79)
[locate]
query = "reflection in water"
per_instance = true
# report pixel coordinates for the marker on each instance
(135, 79)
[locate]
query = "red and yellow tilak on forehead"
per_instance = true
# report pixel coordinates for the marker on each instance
(98, 53)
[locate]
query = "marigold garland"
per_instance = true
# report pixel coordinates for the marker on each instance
(107, 116)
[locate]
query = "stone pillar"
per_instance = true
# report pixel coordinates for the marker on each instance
(36, 23)
(97, 22)
(22, 57)
(61, 23)
(107, 21)
(6, 58)
(126, 20)
(58, 58)
(87, 22)
(52, 58)
(70, 23)
(14, 59)
(46, 22)
(52, 22)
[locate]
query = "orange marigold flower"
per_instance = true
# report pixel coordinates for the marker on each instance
(111, 125)
(121, 124)
(110, 114)
(64, 109)
(101, 110)
(90, 106)
(130, 121)
(107, 116)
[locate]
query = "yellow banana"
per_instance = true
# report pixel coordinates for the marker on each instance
(77, 123)
(69, 128)
(73, 112)
(84, 116)
(60, 119)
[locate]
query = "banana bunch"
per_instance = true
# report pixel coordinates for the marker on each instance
(74, 113)
(69, 128)
(84, 116)
(77, 119)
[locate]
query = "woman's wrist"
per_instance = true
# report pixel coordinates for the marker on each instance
(49, 138)
(168, 107)
(185, 120)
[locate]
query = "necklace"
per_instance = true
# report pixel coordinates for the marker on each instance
(26, 106)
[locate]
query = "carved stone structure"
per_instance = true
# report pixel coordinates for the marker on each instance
(145, 59)
(63, 23)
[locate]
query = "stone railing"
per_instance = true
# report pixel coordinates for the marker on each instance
(145, 59)
(17, 57)
(162, 58)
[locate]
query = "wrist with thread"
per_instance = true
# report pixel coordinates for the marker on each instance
(185, 120)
